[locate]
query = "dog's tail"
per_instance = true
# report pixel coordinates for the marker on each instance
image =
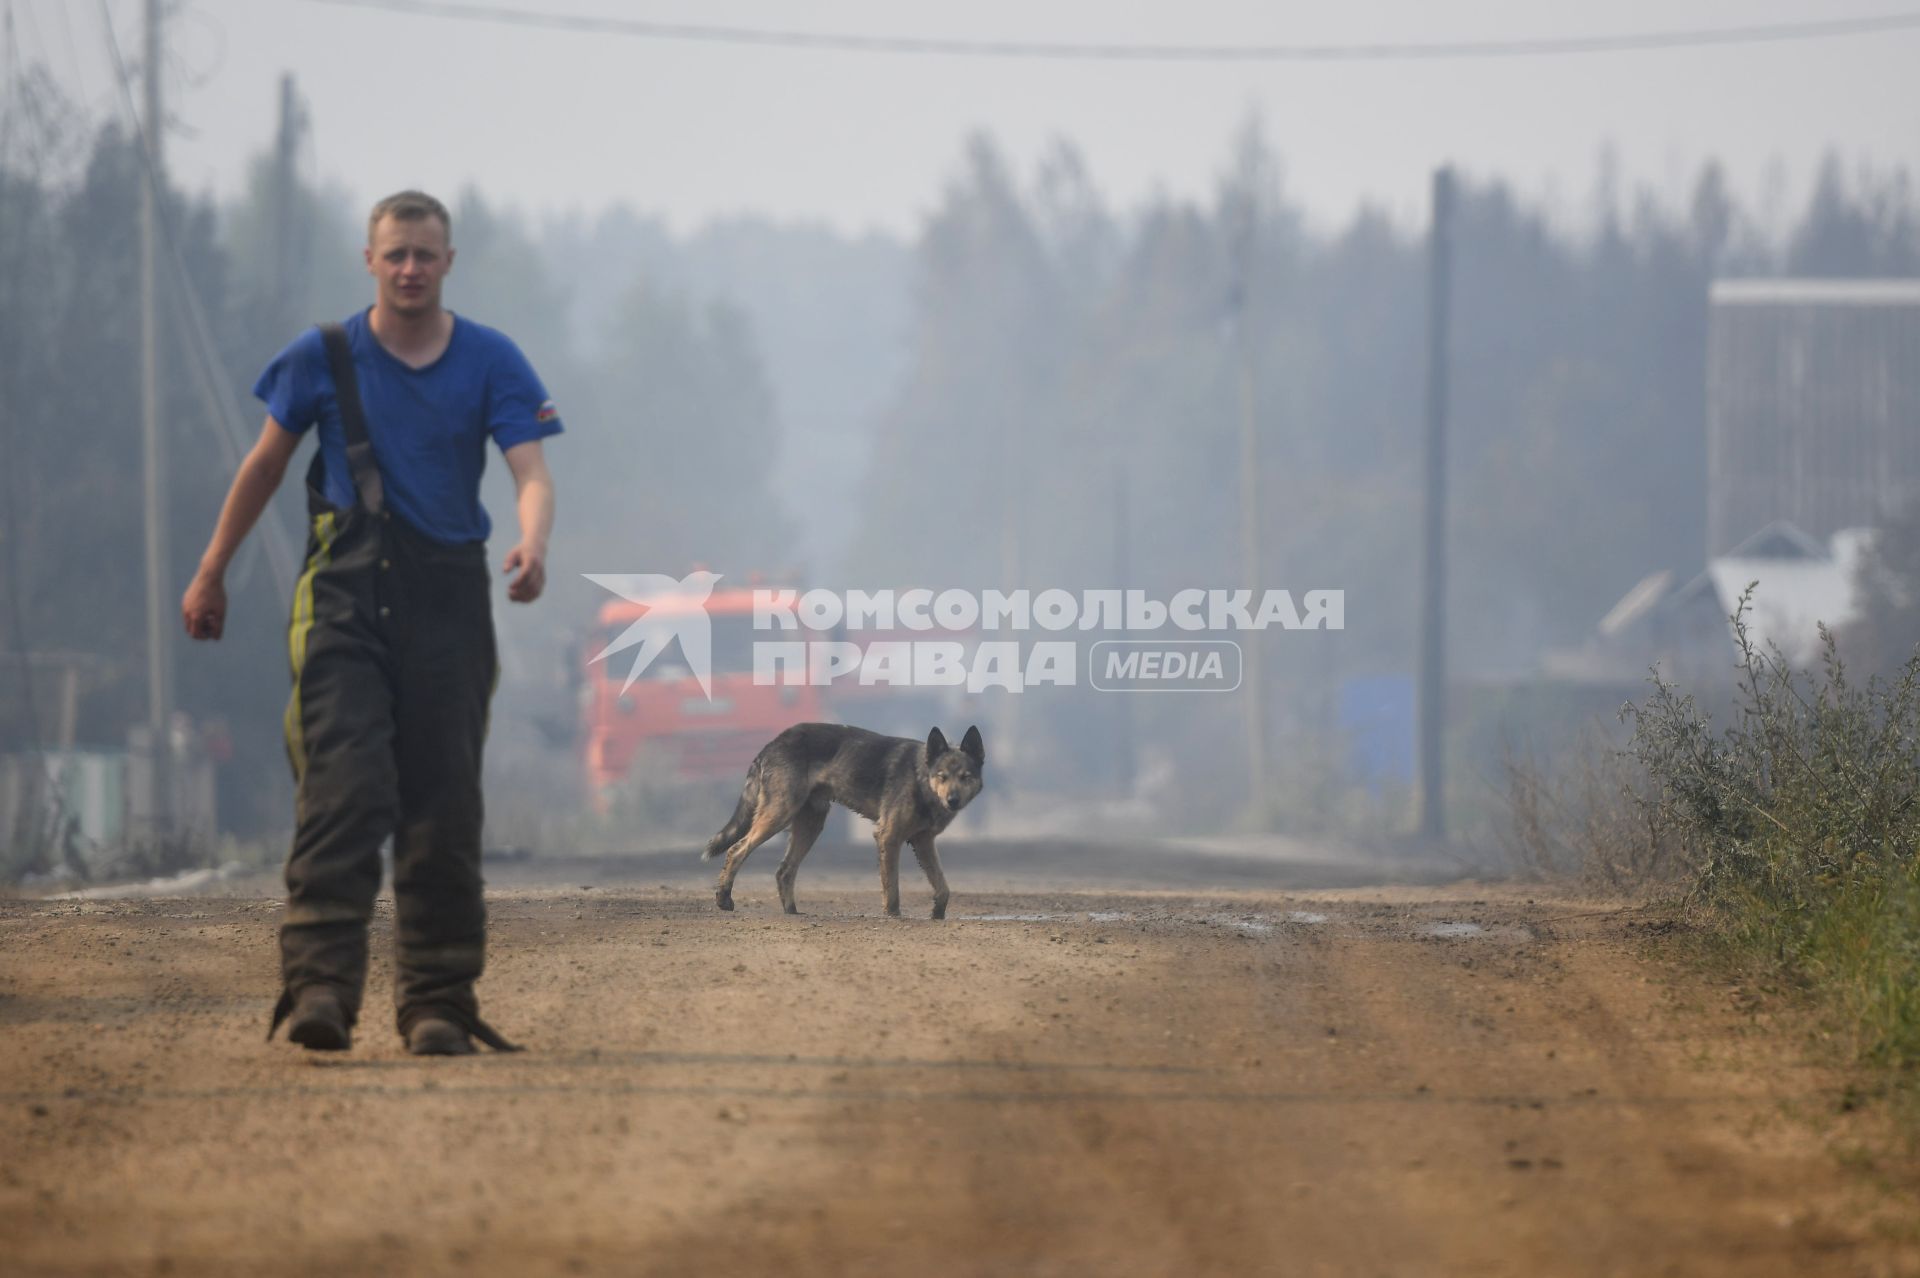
(742, 819)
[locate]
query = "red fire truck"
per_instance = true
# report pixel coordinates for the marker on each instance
(666, 713)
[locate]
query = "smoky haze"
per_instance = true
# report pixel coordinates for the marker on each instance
(1014, 344)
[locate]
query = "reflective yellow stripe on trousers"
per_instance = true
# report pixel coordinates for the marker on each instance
(299, 626)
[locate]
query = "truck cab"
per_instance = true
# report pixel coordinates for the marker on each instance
(667, 714)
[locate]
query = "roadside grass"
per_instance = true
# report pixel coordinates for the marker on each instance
(1591, 816)
(1799, 824)
(1784, 838)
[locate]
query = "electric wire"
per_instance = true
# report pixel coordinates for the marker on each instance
(1082, 51)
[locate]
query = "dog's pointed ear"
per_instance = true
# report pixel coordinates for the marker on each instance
(936, 745)
(974, 748)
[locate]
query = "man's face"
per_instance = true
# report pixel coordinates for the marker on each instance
(408, 259)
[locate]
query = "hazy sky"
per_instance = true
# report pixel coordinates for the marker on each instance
(551, 120)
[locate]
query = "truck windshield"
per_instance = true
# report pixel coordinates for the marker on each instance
(732, 639)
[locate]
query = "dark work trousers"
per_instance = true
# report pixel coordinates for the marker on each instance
(392, 648)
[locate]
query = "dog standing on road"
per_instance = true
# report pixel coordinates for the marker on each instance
(909, 790)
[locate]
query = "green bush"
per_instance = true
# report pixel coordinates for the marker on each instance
(1800, 821)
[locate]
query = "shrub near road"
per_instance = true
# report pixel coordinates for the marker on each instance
(1802, 823)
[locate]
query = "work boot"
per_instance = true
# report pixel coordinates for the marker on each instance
(318, 1021)
(434, 1036)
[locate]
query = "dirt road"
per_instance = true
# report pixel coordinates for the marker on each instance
(1393, 1080)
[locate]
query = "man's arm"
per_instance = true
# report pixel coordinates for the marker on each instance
(204, 609)
(535, 488)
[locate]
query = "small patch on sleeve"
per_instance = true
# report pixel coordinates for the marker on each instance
(547, 413)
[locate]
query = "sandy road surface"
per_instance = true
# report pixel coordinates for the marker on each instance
(1059, 1080)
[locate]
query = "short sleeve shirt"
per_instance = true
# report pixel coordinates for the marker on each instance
(429, 426)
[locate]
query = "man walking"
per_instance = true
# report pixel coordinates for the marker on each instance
(391, 637)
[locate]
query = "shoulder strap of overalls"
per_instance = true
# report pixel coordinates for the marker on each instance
(353, 418)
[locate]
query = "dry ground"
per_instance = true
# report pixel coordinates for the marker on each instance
(1059, 1080)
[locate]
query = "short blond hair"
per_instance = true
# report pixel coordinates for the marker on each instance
(409, 206)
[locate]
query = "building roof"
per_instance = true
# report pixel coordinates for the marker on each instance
(1790, 602)
(1799, 584)
(1781, 539)
(1637, 603)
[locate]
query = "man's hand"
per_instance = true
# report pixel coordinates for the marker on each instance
(530, 558)
(204, 608)
(535, 488)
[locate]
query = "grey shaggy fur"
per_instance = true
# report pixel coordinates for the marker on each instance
(909, 789)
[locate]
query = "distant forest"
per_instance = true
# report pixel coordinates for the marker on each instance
(1037, 389)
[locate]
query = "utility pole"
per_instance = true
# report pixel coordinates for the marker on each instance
(1124, 762)
(1006, 723)
(1433, 614)
(286, 236)
(1252, 667)
(153, 477)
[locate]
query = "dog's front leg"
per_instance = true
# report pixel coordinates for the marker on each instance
(800, 836)
(889, 844)
(929, 858)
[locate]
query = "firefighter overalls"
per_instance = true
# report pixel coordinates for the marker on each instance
(392, 649)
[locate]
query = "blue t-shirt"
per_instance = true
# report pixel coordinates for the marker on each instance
(429, 426)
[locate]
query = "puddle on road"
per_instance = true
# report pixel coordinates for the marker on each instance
(1251, 926)
(1453, 929)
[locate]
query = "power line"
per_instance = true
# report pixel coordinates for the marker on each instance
(204, 362)
(73, 55)
(119, 67)
(1395, 51)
